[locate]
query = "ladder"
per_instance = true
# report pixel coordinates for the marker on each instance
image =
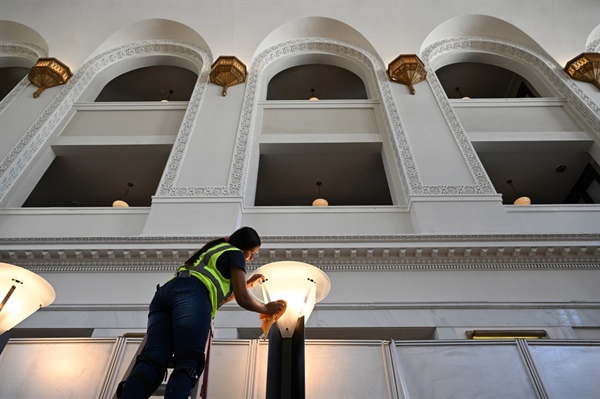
(198, 392)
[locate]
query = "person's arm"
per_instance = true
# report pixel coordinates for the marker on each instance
(252, 281)
(245, 300)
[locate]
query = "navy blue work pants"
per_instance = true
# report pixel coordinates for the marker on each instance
(179, 322)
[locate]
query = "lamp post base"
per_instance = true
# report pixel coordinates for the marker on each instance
(285, 369)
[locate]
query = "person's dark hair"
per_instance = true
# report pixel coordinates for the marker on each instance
(243, 238)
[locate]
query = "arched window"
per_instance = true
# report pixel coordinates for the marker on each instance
(529, 144)
(325, 82)
(479, 80)
(105, 148)
(151, 83)
(335, 141)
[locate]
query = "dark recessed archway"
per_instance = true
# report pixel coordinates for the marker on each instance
(329, 82)
(480, 80)
(152, 83)
(10, 77)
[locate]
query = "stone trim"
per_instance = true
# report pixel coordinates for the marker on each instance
(165, 254)
(294, 239)
(334, 306)
(340, 266)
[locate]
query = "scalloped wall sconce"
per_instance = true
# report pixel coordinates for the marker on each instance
(227, 71)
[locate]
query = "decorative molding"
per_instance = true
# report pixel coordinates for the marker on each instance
(356, 253)
(37, 136)
(21, 50)
(332, 306)
(340, 266)
(171, 241)
(593, 47)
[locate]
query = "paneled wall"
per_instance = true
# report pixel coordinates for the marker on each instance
(91, 368)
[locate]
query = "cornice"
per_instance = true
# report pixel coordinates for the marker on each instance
(398, 238)
(332, 306)
(332, 253)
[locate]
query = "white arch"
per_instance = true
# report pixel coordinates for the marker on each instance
(11, 31)
(375, 75)
(37, 136)
(315, 27)
(297, 59)
(104, 76)
(151, 30)
(533, 65)
(480, 26)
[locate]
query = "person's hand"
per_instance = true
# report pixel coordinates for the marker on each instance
(276, 307)
(255, 279)
(275, 310)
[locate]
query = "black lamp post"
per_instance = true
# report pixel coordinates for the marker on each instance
(301, 285)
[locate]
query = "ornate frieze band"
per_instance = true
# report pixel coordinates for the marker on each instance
(331, 266)
(398, 252)
(36, 137)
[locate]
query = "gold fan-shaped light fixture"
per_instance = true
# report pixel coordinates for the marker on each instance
(227, 71)
(407, 69)
(585, 67)
(48, 72)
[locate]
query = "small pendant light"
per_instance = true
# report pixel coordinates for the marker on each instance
(460, 94)
(313, 98)
(320, 201)
(520, 200)
(166, 100)
(122, 203)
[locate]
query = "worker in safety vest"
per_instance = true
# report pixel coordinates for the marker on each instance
(180, 314)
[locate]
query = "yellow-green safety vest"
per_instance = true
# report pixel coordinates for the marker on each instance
(205, 269)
